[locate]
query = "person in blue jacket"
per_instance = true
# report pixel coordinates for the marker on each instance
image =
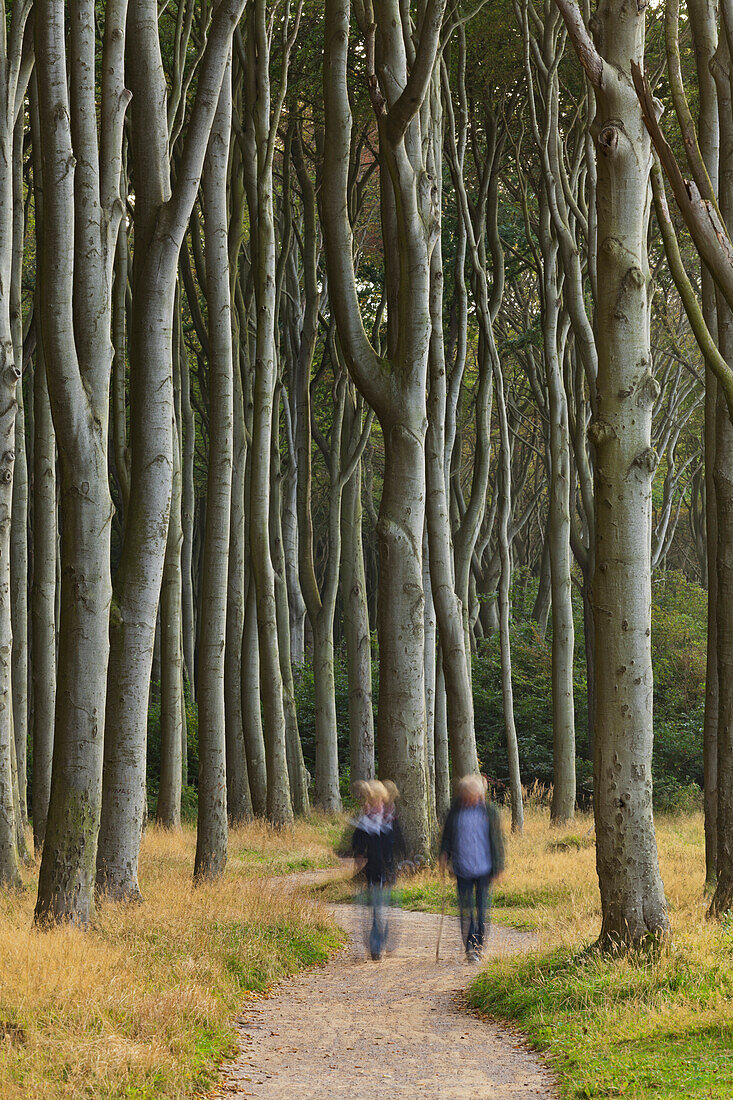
(473, 844)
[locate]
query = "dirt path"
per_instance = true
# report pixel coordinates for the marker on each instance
(366, 1031)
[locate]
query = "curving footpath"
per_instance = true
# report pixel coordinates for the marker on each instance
(395, 1029)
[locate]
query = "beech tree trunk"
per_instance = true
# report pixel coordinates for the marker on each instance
(263, 122)
(43, 592)
(172, 714)
(160, 220)
(239, 801)
(19, 520)
(76, 291)
(356, 619)
(632, 895)
(212, 831)
(394, 385)
(296, 767)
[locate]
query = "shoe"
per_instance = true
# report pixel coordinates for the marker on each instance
(473, 956)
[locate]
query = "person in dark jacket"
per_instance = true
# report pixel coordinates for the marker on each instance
(473, 844)
(371, 848)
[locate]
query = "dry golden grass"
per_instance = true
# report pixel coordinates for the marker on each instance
(141, 1004)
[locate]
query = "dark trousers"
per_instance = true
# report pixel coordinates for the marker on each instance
(376, 901)
(473, 901)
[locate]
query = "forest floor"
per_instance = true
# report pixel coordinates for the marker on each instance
(397, 1028)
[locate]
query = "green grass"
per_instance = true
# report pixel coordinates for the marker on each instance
(647, 1030)
(282, 863)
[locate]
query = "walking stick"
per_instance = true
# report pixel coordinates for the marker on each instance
(442, 915)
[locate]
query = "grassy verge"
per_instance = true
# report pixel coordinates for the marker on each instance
(637, 1027)
(141, 1005)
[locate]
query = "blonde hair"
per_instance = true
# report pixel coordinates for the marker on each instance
(377, 792)
(471, 785)
(392, 790)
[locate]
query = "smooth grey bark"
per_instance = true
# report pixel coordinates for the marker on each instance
(121, 450)
(263, 124)
(562, 808)
(81, 216)
(188, 515)
(239, 800)
(430, 659)
(704, 27)
(19, 517)
(356, 613)
(395, 384)
(451, 611)
(43, 503)
(507, 692)
(43, 599)
(212, 827)
(296, 603)
(161, 215)
(254, 740)
(723, 483)
(320, 600)
(632, 895)
(12, 91)
(172, 713)
(442, 755)
(297, 772)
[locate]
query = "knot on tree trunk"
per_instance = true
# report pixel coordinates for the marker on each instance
(600, 432)
(647, 391)
(646, 460)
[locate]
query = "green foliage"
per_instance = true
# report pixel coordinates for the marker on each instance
(678, 655)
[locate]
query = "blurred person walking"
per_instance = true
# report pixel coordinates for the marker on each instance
(473, 844)
(370, 845)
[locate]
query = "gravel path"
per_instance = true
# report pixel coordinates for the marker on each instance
(395, 1029)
